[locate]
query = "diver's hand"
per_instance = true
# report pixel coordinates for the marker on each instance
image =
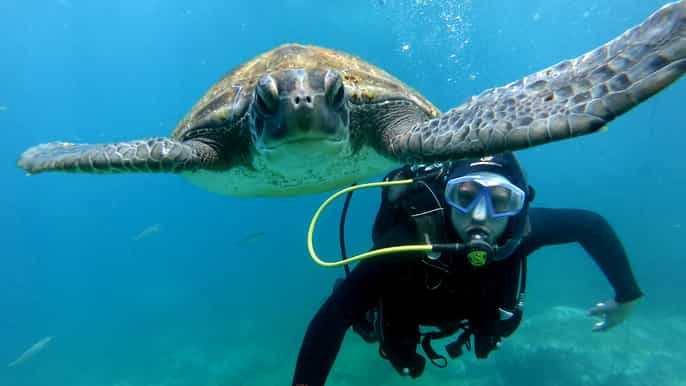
(611, 313)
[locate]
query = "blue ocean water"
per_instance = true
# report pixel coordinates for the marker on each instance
(148, 280)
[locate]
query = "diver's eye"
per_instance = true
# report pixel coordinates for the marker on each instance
(267, 95)
(500, 198)
(466, 193)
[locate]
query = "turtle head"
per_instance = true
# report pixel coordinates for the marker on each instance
(298, 110)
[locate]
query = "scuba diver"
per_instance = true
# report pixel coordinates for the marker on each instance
(478, 210)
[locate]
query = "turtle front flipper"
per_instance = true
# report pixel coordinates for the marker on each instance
(152, 155)
(569, 99)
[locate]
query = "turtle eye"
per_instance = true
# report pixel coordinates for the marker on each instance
(267, 95)
(262, 105)
(338, 98)
(335, 91)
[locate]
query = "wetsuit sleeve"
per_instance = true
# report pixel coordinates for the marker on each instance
(596, 236)
(360, 291)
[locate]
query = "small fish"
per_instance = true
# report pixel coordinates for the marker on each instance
(147, 232)
(251, 238)
(3, 109)
(33, 350)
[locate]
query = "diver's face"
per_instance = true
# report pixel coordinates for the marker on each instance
(478, 223)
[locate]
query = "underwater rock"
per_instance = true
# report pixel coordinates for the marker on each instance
(557, 347)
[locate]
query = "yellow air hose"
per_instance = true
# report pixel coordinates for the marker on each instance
(366, 255)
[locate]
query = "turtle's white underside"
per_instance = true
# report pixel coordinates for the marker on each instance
(295, 170)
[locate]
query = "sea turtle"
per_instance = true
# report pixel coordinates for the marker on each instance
(304, 119)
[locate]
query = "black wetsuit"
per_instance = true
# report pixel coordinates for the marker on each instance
(402, 281)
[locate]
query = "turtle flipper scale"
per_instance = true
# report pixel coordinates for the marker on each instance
(163, 155)
(571, 98)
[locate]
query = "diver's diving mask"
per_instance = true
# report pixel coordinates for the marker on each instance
(503, 199)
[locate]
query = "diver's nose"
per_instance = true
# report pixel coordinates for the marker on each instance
(480, 211)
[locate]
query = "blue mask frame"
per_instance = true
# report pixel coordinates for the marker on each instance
(487, 183)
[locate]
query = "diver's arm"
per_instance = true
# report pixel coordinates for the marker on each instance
(348, 303)
(596, 236)
(320, 345)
